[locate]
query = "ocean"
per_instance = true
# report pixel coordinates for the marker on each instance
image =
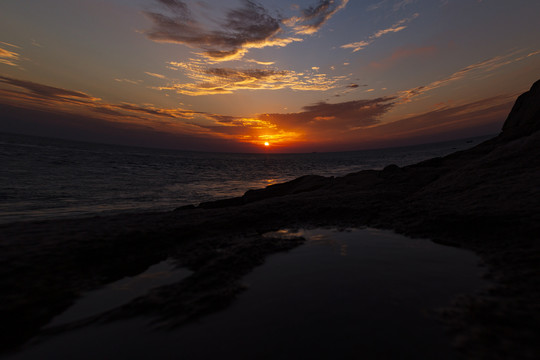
(43, 178)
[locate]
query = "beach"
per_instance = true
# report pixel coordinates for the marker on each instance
(486, 199)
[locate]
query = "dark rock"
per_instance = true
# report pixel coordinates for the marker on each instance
(391, 168)
(524, 119)
(216, 204)
(296, 186)
(185, 207)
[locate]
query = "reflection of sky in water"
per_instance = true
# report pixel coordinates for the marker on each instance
(320, 237)
(121, 292)
(311, 302)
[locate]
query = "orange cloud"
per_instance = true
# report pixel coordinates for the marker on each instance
(331, 121)
(321, 126)
(397, 27)
(314, 17)
(210, 81)
(247, 27)
(159, 76)
(55, 99)
(8, 57)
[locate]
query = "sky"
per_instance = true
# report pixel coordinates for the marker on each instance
(264, 76)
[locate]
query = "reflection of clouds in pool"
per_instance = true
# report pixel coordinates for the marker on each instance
(314, 302)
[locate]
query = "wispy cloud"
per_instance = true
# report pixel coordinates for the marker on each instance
(397, 27)
(53, 98)
(352, 124)
(10, 45)
(395, 6)
(333, 118)
(402, 4)
(249, 26)
(376, 5)
(221, 80)
(48, 92)
(314, 17)
(8, 57)
(129, 81)
(148, 118)
(159, 76)
(319, 122)
(450, 122)
(481, 67)
(244, 28)
(266, 63)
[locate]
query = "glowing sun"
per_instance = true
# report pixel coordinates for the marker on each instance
(266, 143)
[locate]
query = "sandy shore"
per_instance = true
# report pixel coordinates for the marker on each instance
(486, 199)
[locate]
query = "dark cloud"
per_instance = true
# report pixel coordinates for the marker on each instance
(57, 100)
(340, 117)
(245, 27)
(107, 111)
(353, 86)
(314, 17)
(176, 5)
(224, 119)
(243, 74)
(46, 91)
(221, 80)
(144, 110)
(88, 128)
(248, 26)
(488, 113)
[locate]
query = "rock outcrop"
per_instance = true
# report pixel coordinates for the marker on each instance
(524, 119)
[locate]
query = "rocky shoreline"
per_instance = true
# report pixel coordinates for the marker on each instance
(486, 199)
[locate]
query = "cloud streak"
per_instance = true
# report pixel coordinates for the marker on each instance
(55, 99)
(244, 28)
(314, 17)
(48, 92)
(485, 66)
(221, 80)
(351, 124)
(8, 57)
(397, 27)
(249, 26)
(333, 118)
(159, 76)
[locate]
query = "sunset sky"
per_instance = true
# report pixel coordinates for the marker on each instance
(305, 75)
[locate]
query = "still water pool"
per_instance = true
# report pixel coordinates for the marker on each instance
(353, 294)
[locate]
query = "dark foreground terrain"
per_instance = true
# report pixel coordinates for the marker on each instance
(486, 199)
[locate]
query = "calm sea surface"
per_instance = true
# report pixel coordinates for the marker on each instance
(43, 178)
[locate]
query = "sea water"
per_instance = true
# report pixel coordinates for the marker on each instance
(42, 178)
